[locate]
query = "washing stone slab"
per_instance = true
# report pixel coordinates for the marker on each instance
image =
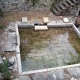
(24, 19)
(10, 47)
(45, 19)
(66, 20)
(41, 28)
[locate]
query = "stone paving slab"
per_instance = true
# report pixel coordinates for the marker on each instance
(51, 75)
(11, 29)
(61, 75)
(12, 37)
(39, 76)
(73, 72)
(24, 78)
(10, 47)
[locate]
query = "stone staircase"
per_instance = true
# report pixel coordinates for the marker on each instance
(65, 7)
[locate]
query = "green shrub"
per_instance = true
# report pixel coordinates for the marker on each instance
(4, 70)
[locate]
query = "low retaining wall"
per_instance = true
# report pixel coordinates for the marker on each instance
(26, 26)
(59, 24)
(18, 49)
(76, 30)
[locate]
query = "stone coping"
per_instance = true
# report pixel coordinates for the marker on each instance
(49, 69)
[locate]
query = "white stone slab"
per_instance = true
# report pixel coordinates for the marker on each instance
(45, 19)
(41, 28)
(65, 20)
(24, 19)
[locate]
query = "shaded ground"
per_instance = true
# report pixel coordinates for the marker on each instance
(47, 49)
(17, 16)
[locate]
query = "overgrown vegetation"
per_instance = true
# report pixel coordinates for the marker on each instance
(1, 27)
(4, 70)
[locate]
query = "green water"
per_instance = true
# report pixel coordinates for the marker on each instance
(47, 49)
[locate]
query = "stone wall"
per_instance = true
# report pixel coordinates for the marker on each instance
(23, 5)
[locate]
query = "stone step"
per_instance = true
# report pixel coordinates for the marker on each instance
(62, 6)
(41, 28)
(58, 8)
(74, 1)
(55, 11)
(65, 4)
(70, 2)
